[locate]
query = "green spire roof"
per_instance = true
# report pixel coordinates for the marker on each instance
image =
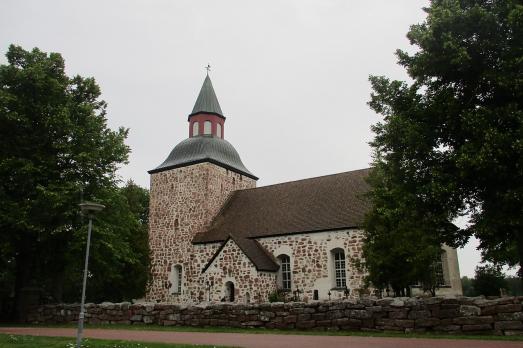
(207, 101)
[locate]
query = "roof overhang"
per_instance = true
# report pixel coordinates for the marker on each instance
(203, 160)
(205, 113)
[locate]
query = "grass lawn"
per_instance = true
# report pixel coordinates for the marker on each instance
(143, 327)
(18, 341)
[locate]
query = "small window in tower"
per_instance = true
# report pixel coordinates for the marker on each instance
(176, 278)
(218, 130)
(207, 127)
(195, 129)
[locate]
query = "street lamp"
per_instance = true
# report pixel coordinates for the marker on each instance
(88, 208)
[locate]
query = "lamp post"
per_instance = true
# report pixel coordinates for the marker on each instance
(88, 208)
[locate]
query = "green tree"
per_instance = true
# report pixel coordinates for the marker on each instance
(119, 265)
(399, 251)
(468, 286)
(514, 286)
(450, 144)
(55, 150)
(489, 280)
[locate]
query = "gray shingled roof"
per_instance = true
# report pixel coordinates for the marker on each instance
(318, 204)
(207, 101)
(204, 149)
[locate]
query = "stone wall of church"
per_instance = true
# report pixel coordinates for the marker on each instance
(231, 265)
(312, 263)
(183, 202)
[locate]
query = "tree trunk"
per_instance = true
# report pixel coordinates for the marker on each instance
(23, 270)
(519, 243)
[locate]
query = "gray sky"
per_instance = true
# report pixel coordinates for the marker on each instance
(291, 76)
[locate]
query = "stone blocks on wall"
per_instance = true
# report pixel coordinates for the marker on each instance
(461, 315)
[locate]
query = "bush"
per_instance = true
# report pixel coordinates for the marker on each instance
(279, 295)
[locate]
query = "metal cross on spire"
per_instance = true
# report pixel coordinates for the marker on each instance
(208, 68)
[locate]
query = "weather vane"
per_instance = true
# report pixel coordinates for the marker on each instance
(208, 68)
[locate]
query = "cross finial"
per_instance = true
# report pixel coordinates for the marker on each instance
(208, 68)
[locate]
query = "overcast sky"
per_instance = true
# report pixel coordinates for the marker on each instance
(291, 76)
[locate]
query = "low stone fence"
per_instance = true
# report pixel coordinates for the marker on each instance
(501, 316)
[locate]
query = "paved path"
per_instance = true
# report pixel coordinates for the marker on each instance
(263, 340)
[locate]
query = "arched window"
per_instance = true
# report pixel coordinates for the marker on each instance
(441, 269)
(340, 275)
(195, 129)
(176, 279)
(207, 127)
(285, 272)
(229, 291)
(219, 130)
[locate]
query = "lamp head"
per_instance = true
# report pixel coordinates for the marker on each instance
(89, 208)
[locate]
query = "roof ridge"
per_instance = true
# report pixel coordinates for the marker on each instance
(305, 179)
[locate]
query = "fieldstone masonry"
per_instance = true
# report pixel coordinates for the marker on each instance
(183, 202)
(460, 315)
(232, 265)
(311, 260)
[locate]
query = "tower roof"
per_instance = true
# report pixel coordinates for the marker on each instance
(207, 101)
(204, 149)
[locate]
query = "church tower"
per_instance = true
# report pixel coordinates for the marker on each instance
(187, 191)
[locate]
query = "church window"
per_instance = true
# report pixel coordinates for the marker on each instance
(218, 130)
(207, 128)
(176, 279)
(340, 276)
(440, 267)
(229, 292)
(195, 129)
(285, 271)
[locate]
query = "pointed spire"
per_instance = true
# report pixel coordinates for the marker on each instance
(207, 101)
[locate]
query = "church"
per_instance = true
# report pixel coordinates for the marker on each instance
(214, 236)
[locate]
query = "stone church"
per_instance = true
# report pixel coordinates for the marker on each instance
(215, 236)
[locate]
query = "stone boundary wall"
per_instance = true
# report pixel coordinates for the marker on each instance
(459, 315)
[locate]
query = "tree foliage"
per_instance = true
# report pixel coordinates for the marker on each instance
(489, 280)
(55, 150)
(468, 286)
(119, 265)
(399, 251)
(514, 286)
(450, 143)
